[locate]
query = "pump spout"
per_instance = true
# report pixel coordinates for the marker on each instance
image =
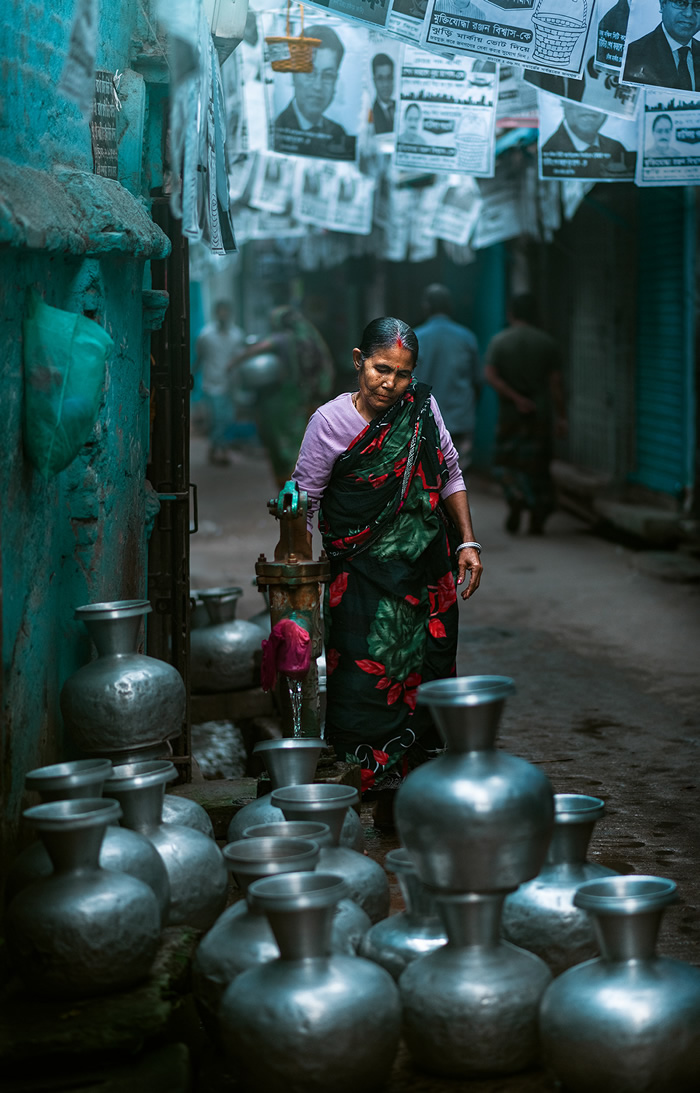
(293, 582)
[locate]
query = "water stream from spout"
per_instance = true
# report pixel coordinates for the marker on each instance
(295, 697)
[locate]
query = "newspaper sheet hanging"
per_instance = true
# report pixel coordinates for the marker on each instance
(273, 183)
(406, 20)
(422, 244)
(611, 32)
(382, 71)
(500, 216)
(517, 100)
(669, 140)
(447, 114)
(573, 191)
(598, 87)
(353, 200)
(252, 62)
(258, 224)
(319, 114)
(549, 35)
(334, 196)
(457, 210)
(663, 52)
(373, 13)
(572, 143)
(236, 113)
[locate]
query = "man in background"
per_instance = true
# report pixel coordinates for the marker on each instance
(448, 360)
(384, 106)
(218, 343)
(523, 365)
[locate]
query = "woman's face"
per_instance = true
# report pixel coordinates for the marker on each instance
(383, 377)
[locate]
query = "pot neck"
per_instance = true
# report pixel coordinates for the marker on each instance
(471, 919)
(419, 900)
(142, 807)
(115, 637)
(221, 608)
(469, 728)
(628, 937)
(74, 851)
(303, 934)
(569, 845)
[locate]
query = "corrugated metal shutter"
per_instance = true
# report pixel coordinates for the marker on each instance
(599, 313)
(664, 380)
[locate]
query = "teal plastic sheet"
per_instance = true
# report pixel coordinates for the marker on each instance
(64, 372)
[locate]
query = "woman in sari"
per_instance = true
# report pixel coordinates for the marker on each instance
(381, 469)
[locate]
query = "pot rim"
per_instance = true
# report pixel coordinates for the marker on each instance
(148, 772)
(73, 815)
(318, 830)
(577, 808)
(316, 795)
(297, 891)
(229, 592)
(252, 855)
(465, 690)
(112, 609)
(399, 860)
(290, 743)
(626, 894)
(68, 775)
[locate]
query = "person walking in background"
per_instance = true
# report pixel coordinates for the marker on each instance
(215, 348)
(304, 380)
(449, 362)
(523, 365)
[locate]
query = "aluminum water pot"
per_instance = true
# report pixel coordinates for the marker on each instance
(224, 655)
(123, 701)
(328, 803)
(310, 1021)
(121, 850)
(84, 930)
(541, 915)
(398, 940)
(470, 1007)
(180, 810)
(628, 1021)
(195, 866)
(475, 819)
(241, 937)
(350, 922)
(290, 761)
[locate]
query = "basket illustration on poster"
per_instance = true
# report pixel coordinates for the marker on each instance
(558, 26)
(289, 53)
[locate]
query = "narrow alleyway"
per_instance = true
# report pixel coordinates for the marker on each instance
(604, 656)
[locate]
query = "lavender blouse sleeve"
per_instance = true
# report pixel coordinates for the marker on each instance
(456, 482)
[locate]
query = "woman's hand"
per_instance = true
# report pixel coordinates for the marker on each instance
(468, 560)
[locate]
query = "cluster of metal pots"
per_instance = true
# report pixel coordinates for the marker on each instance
(309, 986)
(88, 903)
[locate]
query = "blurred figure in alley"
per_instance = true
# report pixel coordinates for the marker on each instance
(448, 360)
(302, 380)
(523, 364)
(216, 347)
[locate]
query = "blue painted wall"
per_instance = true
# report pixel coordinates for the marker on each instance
(79, 537)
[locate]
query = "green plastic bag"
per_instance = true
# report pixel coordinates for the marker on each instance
(64, 372)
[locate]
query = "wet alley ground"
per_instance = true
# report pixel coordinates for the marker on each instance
(605, 659)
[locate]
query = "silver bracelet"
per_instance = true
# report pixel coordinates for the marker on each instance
(477, 547)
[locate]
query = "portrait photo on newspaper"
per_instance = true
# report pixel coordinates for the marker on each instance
(577, 141)
(661, 48)
(318, 113)
(447, 113)
(669, 140)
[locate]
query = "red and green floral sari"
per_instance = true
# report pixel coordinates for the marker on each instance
(391, 605)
